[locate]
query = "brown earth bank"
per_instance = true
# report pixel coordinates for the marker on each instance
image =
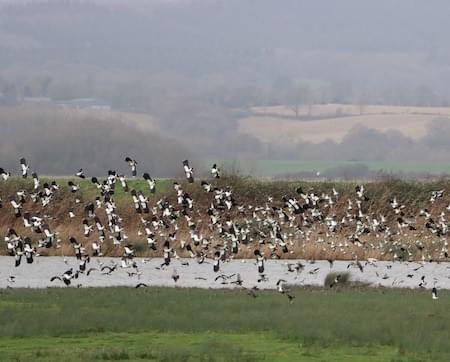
(389, 220)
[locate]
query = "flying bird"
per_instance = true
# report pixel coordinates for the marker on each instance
(188, 171)
(66, 277)
(80, 174)
(151, 182)
(133, 165)
(434, 294)
(24, 167)
(4, 175)
(215, 171)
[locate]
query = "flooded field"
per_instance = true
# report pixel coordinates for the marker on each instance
(194, 275)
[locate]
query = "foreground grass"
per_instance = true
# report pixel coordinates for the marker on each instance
(191, 325)
(171, 346)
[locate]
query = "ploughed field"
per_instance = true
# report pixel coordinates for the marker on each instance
(323, 122)
(386, 220)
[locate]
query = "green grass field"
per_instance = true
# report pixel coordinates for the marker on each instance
(355, 324)
(279, 168)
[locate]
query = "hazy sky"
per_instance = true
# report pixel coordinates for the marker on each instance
(198, 66)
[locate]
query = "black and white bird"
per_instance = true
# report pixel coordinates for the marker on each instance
(360, 192)
(4, 175)
(16, 206)
(89, 210)
(259, 261)
(206, 186)
(133, 165)
(78, 248)
(215, 171)
(95, 181)
(151, 182)
(36, 182)
(28, 250)
(136, 202)
(73, 187)
(238, 280)
(24, 167)
(141, 285)
(188, 171)
(216, 264)
(434, 294)
(298, 267)
(66, 277)
(87, 229)
(96, 249)
(281, 286)
(175, 275)
(109, 269)
(80, 173)
(123, 183)
(143, 202)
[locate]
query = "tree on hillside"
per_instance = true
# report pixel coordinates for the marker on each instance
(298, 96)
(10, 94)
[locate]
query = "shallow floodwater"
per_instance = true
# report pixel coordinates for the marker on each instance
(387, 274)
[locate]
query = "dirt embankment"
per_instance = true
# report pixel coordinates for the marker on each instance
(306, 236)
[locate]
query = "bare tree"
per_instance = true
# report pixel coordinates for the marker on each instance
(298, 96)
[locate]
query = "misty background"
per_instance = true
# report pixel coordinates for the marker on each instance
(73, 73)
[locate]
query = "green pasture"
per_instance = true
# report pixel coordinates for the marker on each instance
(280, 168)
(173, 324)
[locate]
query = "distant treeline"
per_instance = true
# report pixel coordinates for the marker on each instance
(56, 142)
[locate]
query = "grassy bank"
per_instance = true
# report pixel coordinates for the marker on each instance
(190, 324)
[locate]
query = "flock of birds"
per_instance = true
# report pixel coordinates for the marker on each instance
(220, 231)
